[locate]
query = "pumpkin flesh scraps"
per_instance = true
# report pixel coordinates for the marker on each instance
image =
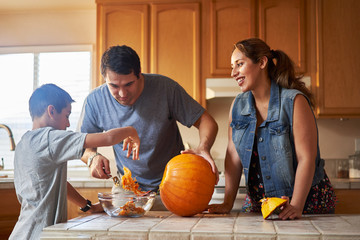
(271, 205)
(130, 209)
(129, 183)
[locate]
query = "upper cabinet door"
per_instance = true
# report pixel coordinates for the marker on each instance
(282, 26)
(123, 25)
(175, 44)
(230, 22)
(338, 52)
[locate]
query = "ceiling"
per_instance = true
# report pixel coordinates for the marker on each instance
(41, 5)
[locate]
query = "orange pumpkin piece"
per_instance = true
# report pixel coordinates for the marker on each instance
(271, 205)
(129, 183)
(187, 185)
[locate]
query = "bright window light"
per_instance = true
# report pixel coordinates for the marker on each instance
(22, 73)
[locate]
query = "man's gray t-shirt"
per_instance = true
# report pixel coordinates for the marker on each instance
(40, 176)
(162, 103)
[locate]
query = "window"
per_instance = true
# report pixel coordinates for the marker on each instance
(25, 69)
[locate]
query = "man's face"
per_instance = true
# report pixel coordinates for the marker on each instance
(126, 89)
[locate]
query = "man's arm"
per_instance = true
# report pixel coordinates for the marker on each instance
(100, 165)
(208, 129)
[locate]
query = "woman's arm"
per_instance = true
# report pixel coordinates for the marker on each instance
(305, 140)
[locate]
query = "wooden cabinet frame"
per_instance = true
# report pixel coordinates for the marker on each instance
(140, 12)
(228, 12)
(337, 68)
(277, 7)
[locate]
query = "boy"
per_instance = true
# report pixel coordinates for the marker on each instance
(40, 165)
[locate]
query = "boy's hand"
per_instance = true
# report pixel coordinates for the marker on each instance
(96, 208)
(132, 144)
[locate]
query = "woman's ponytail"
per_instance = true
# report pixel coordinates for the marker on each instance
(284, 74)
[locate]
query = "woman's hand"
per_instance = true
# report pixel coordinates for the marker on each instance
(219, 208)
(289, 211)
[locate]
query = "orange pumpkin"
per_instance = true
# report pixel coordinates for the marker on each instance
(187, 184)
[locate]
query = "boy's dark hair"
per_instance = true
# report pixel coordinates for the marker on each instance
(121, 60)
(48, 94)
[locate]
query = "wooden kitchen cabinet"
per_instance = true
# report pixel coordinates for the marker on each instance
(280, 23)
(10, 210)
(192, 40)
(122, 24)
(88, 193)
(335, 33)
(175, 44)
(347, 201)
(166, 36)
(229, 22)
(282, 26)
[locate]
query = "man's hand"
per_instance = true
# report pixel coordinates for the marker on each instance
(206, 155)
(100, 167)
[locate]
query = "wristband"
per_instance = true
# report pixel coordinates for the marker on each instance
(89, 161)
(87, 207)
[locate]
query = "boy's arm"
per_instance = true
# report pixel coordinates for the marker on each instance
(115, 136)
(99, 166)
(75, 197)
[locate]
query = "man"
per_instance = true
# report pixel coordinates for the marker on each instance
(152, 104)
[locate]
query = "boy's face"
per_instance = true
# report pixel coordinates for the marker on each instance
(61, 120)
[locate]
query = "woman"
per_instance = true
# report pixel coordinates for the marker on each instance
(273, 136)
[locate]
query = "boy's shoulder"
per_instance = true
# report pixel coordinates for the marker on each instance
(48, 131)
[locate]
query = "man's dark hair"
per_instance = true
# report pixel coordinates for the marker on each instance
(121, 60)
(48, 94)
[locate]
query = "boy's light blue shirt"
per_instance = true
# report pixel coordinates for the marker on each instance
(40, 176)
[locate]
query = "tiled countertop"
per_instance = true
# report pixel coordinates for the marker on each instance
(84, 181)
(81, 182)
(161, 225)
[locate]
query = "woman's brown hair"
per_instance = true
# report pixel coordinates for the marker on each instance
(280, 67)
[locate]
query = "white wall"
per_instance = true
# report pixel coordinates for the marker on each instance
(48, 28)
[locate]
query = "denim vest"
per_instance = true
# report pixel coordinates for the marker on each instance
(275, 140)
